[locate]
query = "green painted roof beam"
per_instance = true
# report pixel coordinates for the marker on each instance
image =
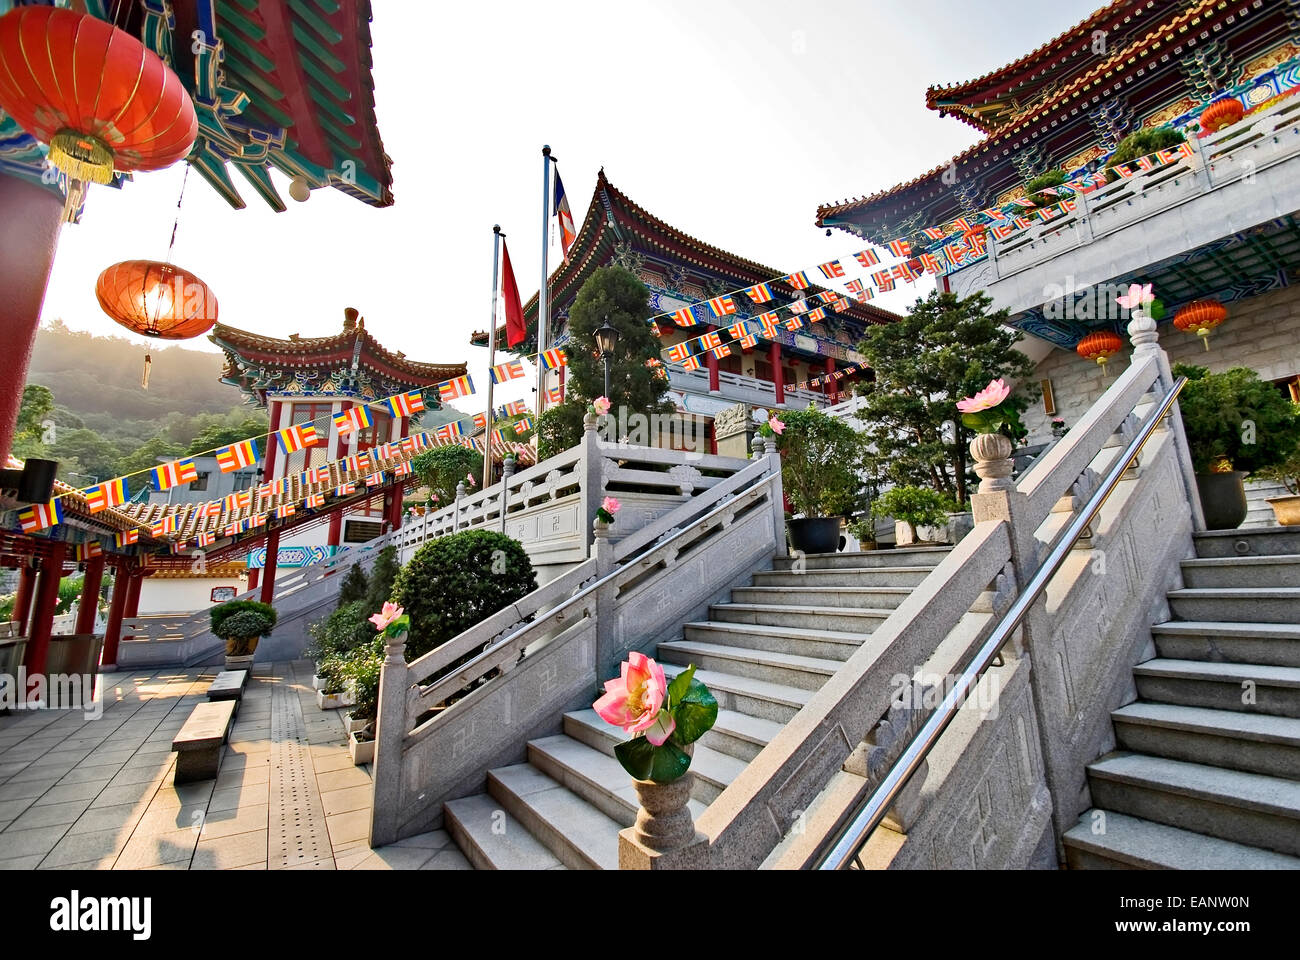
(260, 178)
(324, 79)
(322, 27)
(312, 43)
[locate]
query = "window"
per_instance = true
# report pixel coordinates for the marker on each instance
(763, 370)
(730, 364)
(201, 483)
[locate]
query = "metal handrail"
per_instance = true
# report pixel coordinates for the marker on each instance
(849, 842)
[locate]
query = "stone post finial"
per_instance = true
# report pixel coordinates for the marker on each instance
(769, 445)
(508, 467)
(460, 489)
(993, 465)
(589, 421)
(1142, 332)
(395, 650)
(757, 446)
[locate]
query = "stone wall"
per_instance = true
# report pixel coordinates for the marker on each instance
(1262, 333)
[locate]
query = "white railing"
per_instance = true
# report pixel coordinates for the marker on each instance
(735, 386)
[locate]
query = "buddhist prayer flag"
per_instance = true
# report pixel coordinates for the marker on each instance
(257, 520)
(554, 359)
(934, 233)
(386, 451)
(314, 501)
(759, 293)
(111, 494)
(854, 286)
(554, 395)
(722, 306)
(480, 421)
(866, 295)
(242, 454)
(691, 363)
(709, 341)
(207, 538)
(816, 315)
(284, 511)
(523, 424)
(679, 352)
(356, 462)
(797, 280)
(235, 529)
(512, 370)
(239, 501)
(684, 317)
(357, 418)
(738, 329)
(839, 306)
(498, 436)
(210, 508)
(345, 490)
(794, 323)
(829, 296)
(405, 404)
(162, 527)
(375, 479)
(402, 469)
(769, 324)
(564, 217)
(799, 306)
(515, 408)
(174, 474)
(747, 342)
(903, 272)
(831, 270)
(460, 387)
(88, 551)
(297, 437)
(900, 248)
(127, 537)
(721, 351)
(882, 280)
(866, 258)
(931, 263)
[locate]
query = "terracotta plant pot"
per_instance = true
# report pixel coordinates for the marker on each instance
(1286, 510)
(814, 534)
(1223, 498)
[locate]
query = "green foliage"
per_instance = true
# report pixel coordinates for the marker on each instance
(239, 629)
(83, 452)
(69, 593)
(441, 468)
(220, 434)
(1144, 142)
(819, 454)
(360, 670)
(559, 428)
(616, 296)
(221, 614)
(1052, 178)
(1286, 473)
(454, 582)
(942, 350)
(343, 631)
(354, 587)
(146, 456)
(1237, 417)
(917, 506)
(382, 574)
(34, 409)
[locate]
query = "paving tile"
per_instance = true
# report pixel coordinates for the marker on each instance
(448, 859)
(225, 823)
(332, 761)
(353, 825)
(347, 799)
(20, 863)
(12, 809)
(149, 850)
(434, 840)
(314, 865)
(338, 779)
(163, 817)
(236, 850)
(50, 814)
(103, 863)
(348, 859)
(112, 796)
(396, 858)
(238, 795)
(26, 789)
(122, 816)
(73, 791)
(24, 843)
(89, 774)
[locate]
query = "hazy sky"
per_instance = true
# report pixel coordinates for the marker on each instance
(730, 120)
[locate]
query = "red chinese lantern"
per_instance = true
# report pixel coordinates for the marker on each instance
(1221, 113)
(156, 299)
(1200, 317)
(1099, 347)
(96, 95)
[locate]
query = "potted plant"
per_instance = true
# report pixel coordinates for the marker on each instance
(333, 693)
(912, 508)
(864, 531)
(242, 623)
(1286, 508)
(1236, 425)
(818, 458)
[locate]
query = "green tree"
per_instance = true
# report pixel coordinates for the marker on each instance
(222, 433)
(36, 406)
(146, 456)
(945, 348)
(354, 586)
(441, 468)
(616, 296)
(819, 454)
(87, 453)
(1234, 418)
(382, 574)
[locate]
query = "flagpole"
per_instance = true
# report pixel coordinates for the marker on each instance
(492, 352)
(543, 293)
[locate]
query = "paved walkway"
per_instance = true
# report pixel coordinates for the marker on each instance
(78, 792)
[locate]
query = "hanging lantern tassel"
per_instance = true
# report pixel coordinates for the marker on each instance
(144, 376)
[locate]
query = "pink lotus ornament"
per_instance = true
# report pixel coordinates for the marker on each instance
(387, 615)
(1139, 295)
(608, 507)
(635, 699)
(986, 399)
(984, 412)
(600, 406)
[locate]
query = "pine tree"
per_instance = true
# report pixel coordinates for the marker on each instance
(354, 586)
(382, 575)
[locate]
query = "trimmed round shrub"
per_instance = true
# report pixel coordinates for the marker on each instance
(219, 614)
(240, 628)
(455, 582)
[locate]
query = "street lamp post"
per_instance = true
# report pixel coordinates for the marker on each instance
(607, 340)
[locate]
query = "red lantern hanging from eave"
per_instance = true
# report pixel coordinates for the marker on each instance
(1099, 347)
(96, 95)
(156, 299)
(1220, 114)
(1200, 317)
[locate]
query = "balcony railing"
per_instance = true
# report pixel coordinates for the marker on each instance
(737, 387)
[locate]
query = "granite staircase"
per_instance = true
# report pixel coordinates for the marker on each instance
(1206, 773)
(763, 654)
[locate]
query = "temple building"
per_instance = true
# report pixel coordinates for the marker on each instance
(1218, 225)
(679, 270)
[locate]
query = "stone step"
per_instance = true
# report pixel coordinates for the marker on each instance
(813, 641)
(807, 673)
(1272, 644)
(856, 621)
(573, 830)
(1246, 687)
(1265, 542)
(856, 598)
(844, 577)
(773, 702)
(1249, 808)
(1252, 742)
(492, 839)
(1129, 843)
(1221, 572)
(1255, 604)
(903, 557)
(593, 776)
(713, 769)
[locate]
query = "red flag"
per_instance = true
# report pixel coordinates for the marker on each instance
(516, 330)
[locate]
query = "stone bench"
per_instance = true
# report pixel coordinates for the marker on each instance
(229, 685)
(202, 739)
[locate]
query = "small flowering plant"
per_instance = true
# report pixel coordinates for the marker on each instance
(469, 478)
(608, 507)
(664, 717)
(391, 620)
(987, 411)
(600, 406)
(774, 427)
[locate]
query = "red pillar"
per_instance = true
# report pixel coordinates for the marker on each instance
(23, 599)
(778, 375)
(272, 551)
(711, 359)
(134, 584)
(831, 387)
(335, 535)
(47, 598)
(116, 609)
(29, 235)
(89, 604)
(254, 574)
(272, 444)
